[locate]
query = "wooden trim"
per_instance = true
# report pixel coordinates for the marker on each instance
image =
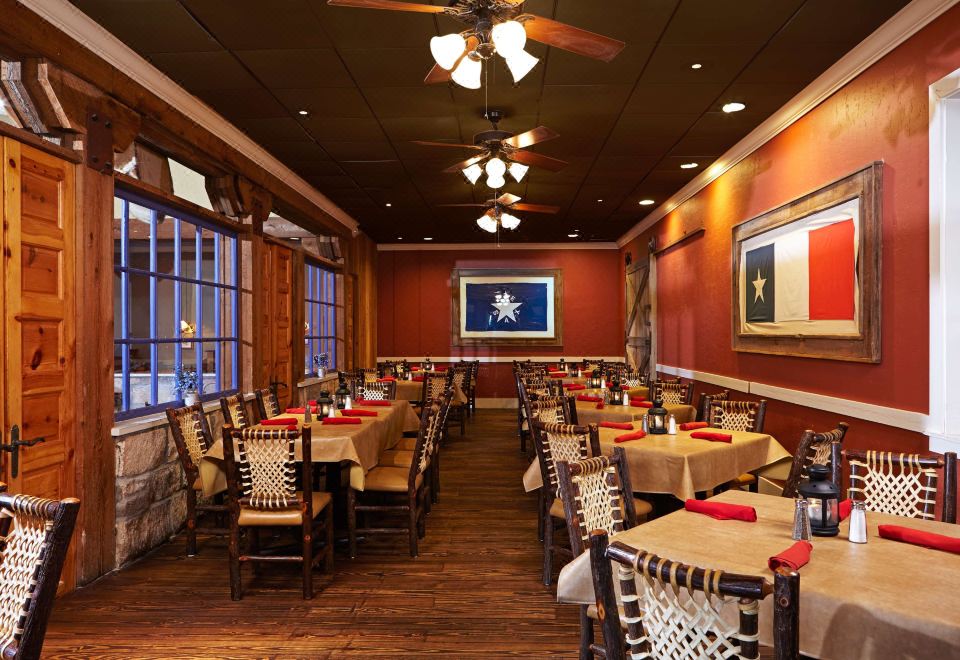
(690, 234)
(155, 194)
(460, 247)
(555, 273)
(38, 143)
(867, 185)
(502, 359)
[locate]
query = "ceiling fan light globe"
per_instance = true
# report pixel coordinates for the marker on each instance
(518, 171)
(486, 223)
(520, 64)
(509, 38)
(496, 182)
(447, 49)
(508, 221)
(496, 167)
(472, 173)
(467, 73)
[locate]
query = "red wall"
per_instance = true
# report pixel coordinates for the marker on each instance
(414, 300)
(881, 115)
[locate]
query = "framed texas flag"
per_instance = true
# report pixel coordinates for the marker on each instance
(507, 306)
(807, 274)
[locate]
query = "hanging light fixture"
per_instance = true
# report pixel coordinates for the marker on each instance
(495, 169)
(496, 182)
(509, 38)
(508, 221)
(487, 223)
(467, 73)
(517, 171)
(520, 64)
(447, 50)
(472, 173)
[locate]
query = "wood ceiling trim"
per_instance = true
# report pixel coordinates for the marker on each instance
(903, 25)
(461, 247)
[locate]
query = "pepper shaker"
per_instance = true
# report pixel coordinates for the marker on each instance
(801, 521)
(857, 533)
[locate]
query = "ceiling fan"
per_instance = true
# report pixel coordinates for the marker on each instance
(496, 215)
(494, 26)
(503, 153)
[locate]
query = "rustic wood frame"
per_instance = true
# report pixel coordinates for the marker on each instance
(865, 183)
(555, 273)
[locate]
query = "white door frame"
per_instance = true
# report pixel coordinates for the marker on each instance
(943, 427)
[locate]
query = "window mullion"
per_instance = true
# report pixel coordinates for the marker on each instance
(198, 273)
(125, 305)
(154, 347)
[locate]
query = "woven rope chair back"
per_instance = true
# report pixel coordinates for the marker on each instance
(459, 376)
(816, 448)
(234, 411)
(673, 394)
(550, 409)
(559, 442)
(593, 493)
(633, 379)
(898, 484)
(267, 464)
(34, 534)
(436, 385)
(378, 391)
(734, 415)
(269, 401)
(189, 433)
(433, 421)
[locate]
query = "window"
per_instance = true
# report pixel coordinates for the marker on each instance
(320, 313)
(175, 303)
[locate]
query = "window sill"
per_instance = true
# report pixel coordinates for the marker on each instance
(149, 422)
(313, 380)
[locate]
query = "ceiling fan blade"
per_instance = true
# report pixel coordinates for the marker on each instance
(535, 208)
(436, 75)
(389, 4)
(530, 138)
(538, 160)
(567, 37)
(427, 143)
(459, 205)
(464, 164)
(506, 199)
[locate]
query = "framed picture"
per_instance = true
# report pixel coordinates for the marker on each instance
(507, 306)
(806, 275)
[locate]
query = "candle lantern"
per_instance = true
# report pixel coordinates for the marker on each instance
(657, 418)
(823, 501)
(427, 364)
(561, 366)
(341, 395)
(324, 404)
(595, 380)
(616, 393)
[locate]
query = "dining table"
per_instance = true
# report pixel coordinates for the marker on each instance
(681, 465)
(589, 413)
(858, 601)
(360, 444)
(412, 390)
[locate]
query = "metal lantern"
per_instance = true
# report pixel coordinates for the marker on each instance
(823, 501)
(596, 380)
(324, 404)
(616, 393)
(561, 365)
(341, 395)
(657, 418)
(427, 364)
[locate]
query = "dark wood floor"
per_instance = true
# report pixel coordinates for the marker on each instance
(474, 592)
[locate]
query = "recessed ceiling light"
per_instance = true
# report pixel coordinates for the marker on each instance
(388, 205)
(735, 106)
(696, 66)
(399, 238)
(303, 113)
(646, 202)
(687, 166)
(428, 238)
(599, 201)
(573, 235)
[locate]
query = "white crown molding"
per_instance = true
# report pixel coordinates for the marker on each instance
(901, 26)
(71, 21)
(460, 247)
(501, 359)
(706, 377)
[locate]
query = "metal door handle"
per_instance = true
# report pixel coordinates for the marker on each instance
(14, 449)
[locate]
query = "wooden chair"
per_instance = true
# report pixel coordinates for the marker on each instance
(458, 410)
(738, 416)
(34, 535)
(528, 387)
(547, 409)
(406, 486)
(191, 435)
(402, 455)
(823, 448)
(234, 410)
(596, 494)
(903, 484)
(262, 492)
(632, 379)
(674, 610)
(378, 391)
(558, 442)
(268, 403)
(434, 385)
(672, 393)
(703, 404)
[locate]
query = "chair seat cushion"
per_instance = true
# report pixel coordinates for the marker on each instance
(386, 479)
(744, 479)
(556, 509)
(251, 517)
(396, 458)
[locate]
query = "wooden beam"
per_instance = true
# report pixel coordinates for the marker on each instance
(11, 78)
(681, 239)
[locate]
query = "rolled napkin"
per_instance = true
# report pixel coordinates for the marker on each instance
(574, 386)
(279, 421)
(312, 402)
(387, 379)
(640, 404)
(358, 413)
(439, 369)
(692, 426)
(341, 420)
(589, 397)
(626, 437)
(634, 397)
(722, 510)
(417, 379)
(711, 436)
(845, 506)
(414, 368)
(623, 426)
(558, 374)
(600, 406)
(372, 402)
(794, 557)
(918, 537)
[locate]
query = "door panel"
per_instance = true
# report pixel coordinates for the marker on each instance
(38, 308)
(276, 328)
(638, 330)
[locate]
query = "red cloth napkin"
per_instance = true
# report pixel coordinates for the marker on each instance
(711, 436)
(637, 398)
(691, 426)
(341, 420)
(372, 402)
(630, 436)
(623, 426)
(358, 413)
(414, 368)
(439, 368)
(417, 379)
(574, 386)
(279, 421)
(722, 510)
(588, 397)
(558, 374)
(312, 402)
(845, 506)
(794, 557)
(921, 538)
(600, 405)
(387, 379)
(640, 404)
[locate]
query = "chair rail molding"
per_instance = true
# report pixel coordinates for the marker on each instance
(943, 425)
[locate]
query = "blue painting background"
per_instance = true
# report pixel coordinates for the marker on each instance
(531, 315)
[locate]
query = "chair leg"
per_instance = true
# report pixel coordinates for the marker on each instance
(755, 486)
(352, 520)
(233, 551)
(328, 528)
(191, 522)
(463, 420)
(540, 501)
(586, 634)
(435, 478)
(307, 559)
(414, 530)
(547, 549)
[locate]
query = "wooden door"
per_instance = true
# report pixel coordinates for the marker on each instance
(276, 320)
(39, 323)
(639, 323)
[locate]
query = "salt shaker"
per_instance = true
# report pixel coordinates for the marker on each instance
(645, 424)
(672, 426)
(626, 399)
(801, 521)
(348, 405)
(857, 533)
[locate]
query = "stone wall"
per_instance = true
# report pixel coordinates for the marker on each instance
(309, 388)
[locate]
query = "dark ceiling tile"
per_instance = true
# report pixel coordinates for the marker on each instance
(593, 125)
(388, 67)
(760, 98)
(721, 124)
(587, 99)
(785, 62)
(728, 21)
(422, 128)
(236, 104)
(672, 63)
(448, 155)
(326, 102)
(647, 135)
(208, 71)
(279, 23)
(324, 183)
(343, 128)
(516, 102)
(359, 151)
(150, 26)
(419, 101)
(272, 129)
(374, 173)
(822, 21)
(350, 27)
(689, 99)
(297, 150)
(571, 146)
(307, 168)
(296, 69)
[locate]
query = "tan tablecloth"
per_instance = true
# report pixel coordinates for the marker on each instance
(410, 390)
(588, 413)
(878, 600)
(681, 465)
(361, 443)
(642, 390)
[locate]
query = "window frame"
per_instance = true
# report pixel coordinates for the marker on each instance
(127, 196)
(312, 292)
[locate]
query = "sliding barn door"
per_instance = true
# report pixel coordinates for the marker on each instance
(39, 343)
(276, 330)
(639, 322)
